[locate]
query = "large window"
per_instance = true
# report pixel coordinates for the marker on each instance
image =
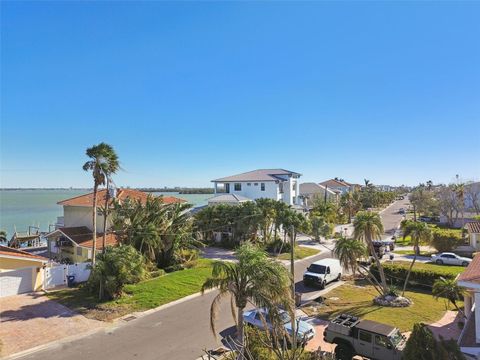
(262, 186)
(280, 187)
(237, 187)
(79, 251)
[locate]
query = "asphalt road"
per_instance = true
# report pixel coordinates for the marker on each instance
(177, 332)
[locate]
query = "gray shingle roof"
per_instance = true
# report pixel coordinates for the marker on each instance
(258, 175)
(228, 198)
(313, 188)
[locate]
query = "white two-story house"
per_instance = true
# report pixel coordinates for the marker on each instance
(277, 184)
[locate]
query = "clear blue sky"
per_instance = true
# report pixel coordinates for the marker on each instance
(187, 92)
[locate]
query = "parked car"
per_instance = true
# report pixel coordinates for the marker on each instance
(260, 318)
(402, 211)
(448, 258)
(365, 338)
(379, 247)
(425, 219)
(389, 244)
(322, 272)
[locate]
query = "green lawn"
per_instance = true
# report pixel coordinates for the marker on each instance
(357, 300)
(439, 269)
(301, 252)
(142, 296)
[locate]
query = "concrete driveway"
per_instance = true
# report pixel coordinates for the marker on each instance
(31, 320)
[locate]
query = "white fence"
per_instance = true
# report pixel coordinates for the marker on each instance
(56, 275)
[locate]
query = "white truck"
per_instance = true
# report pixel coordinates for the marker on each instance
(366, 338)
(322, 272)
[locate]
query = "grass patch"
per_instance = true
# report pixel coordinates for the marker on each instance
(301, 252)
(411, 252)
(142, 296)
(357, 300)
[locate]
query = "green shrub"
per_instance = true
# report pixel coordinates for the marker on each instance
(114, 269)
(278, 246)
(446, 239)
(175, 267)
(187, 257)
(157, 273)
(419, 277)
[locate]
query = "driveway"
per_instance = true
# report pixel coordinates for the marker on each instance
(30, 320)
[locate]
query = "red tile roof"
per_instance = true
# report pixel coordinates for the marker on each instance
(83, 236)
(122, 195)
(5, 250)
(472, 271)
(473, 227)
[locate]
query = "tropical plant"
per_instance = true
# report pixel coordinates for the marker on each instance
(320, 227)
(350, 203)
(422, 345)
(3, 236)
(116, 267)
(103, 161)
(419, 233)
(367, 228)
(444, 240)
(157, 229)
(448, 289)
(254, 278)
(349, 251)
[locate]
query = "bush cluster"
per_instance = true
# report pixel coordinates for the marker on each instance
(420, 278)
(278, 246)
(446, 239)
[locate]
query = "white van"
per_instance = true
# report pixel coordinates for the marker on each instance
(322, 272)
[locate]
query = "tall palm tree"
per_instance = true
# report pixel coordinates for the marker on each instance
(112, 166)
(367, 228)
(255, 278)
(348, 251)
(3, 236)
(460, 192)
(450, 290)
(101, 155)
(419, 232)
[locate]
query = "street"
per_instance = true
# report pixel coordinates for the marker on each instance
(180, 331)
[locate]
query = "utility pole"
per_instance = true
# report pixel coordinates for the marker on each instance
(292, 270)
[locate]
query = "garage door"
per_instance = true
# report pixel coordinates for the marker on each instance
(15, 282)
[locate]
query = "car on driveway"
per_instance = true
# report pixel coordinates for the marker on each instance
(448, 258)
(260, 318)
(322, 272)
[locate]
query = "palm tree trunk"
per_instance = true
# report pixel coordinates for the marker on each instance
(105, 215)
(94, 242)
(383, 279)
(240, 333)
(409, 271)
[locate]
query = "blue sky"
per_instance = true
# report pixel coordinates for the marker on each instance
(188, 92)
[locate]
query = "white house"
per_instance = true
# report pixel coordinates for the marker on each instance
(277, 184)
(339, 185)
(469, 339)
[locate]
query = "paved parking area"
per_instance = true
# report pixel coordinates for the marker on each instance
(31, 320)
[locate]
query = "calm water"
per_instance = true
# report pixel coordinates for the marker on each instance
(22, 208)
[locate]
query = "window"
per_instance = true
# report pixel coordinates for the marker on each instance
(227, 188)
(237, 187)
(79, 251)
(262, 186)
(280, 187)
(255, 184)
(364, 336)
(249, 184)
(382, 341)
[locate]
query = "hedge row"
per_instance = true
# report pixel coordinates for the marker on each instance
(419, 278)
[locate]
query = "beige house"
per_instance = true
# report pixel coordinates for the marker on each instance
(72, 241)
(473, 230)
(20, 271)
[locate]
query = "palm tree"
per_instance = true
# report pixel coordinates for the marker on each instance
(112, 166)
(460, 192)
(419, 232)
(3, 236)
(255, 278)
(348, 251)
(101, 155)
(450, 290)
(367, 228)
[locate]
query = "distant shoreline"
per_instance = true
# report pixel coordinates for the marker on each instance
(180, 190)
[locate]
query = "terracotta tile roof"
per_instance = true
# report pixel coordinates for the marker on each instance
(473, 227)
(171, 199)
(121, 195)
(472, 271)
(5, 250)
(83, 236)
